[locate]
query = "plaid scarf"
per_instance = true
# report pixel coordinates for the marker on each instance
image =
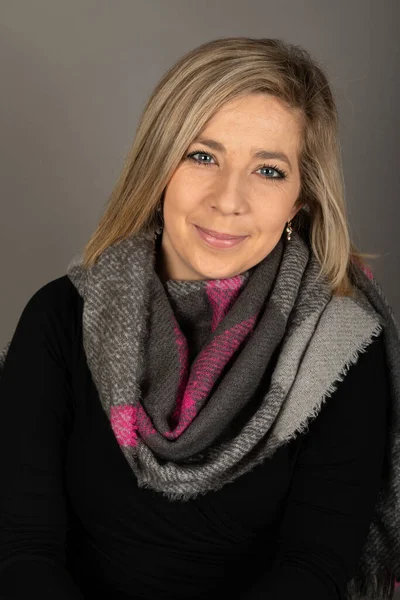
(190, 420)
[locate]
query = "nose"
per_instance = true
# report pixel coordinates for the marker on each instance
(228, 197)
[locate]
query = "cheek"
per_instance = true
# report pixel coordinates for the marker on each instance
(179, 197)
(269, 218)
(178, 213)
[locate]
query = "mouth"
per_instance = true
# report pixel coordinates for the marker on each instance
(218, 240)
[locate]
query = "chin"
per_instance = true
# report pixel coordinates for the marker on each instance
(215, 272)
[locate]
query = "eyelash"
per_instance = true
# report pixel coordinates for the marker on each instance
(282, 173)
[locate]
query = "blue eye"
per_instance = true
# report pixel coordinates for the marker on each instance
(201, 162)
(191, 156)
(282, 174)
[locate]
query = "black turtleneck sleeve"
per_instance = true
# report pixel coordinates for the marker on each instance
(34, 396)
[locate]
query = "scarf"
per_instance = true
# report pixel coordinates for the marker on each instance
(191, 420)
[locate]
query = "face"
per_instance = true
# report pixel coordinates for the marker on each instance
(230, 185)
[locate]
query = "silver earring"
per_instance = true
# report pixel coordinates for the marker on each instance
(289, 229)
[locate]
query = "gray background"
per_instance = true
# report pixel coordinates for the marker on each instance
(75, 76)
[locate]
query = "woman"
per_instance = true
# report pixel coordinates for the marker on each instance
(206, 403)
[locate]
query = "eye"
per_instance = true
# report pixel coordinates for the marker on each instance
(192, 156)
(281, 173)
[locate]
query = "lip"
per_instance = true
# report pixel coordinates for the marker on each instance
(219, 240)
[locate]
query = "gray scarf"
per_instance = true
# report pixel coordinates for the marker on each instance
(188, 425)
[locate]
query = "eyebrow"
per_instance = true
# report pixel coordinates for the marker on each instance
(259, 153)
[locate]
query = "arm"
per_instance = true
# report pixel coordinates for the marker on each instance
(34, 395)
(334, 488)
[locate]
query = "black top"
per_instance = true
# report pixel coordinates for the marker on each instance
(74, 524)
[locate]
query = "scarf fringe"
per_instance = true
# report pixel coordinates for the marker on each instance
(378, 585)
(353, 359)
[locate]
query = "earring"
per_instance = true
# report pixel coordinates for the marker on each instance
(289, 229)
(159, 226)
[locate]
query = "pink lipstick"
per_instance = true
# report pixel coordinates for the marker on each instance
(218, 240)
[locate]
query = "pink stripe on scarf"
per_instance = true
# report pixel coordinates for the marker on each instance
(221, 295)
(127, 421)
(123, 423)
(204, 373)
(194, 387)
(363, 267)
(367, 271)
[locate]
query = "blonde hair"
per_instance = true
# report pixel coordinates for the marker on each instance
(188, 95)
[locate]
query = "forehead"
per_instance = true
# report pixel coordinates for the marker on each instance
(256, 109)
(254, 120)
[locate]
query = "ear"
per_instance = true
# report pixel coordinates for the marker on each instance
(295, 210)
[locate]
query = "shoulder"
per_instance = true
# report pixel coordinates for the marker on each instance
(361, 396)
(352, 423)
(366, 381)
(50, 320)
(55, 296)
(56, 302)
(369, 367)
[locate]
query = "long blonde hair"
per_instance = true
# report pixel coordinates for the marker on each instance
(188, 95)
